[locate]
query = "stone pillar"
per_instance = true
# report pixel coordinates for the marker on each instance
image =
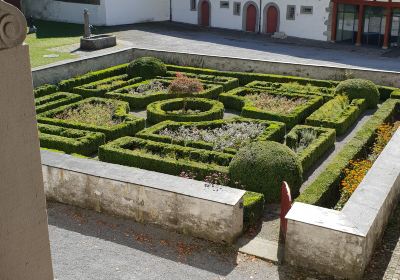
(24, 238)
(86, 24)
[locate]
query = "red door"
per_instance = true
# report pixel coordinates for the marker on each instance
(205, 13)
(272, 20)
(16, 3)
(251, 18)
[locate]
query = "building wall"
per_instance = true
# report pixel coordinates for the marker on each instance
(134, 11)
(305, 26)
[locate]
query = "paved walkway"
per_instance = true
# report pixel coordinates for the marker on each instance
(187, 38)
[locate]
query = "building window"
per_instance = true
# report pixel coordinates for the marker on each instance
(291, 12)
(236, 8)
(193, 5)
(224, 4)
(307, 10)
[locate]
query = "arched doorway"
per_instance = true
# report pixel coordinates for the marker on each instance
(251, 18)
(204, 17)
(271, 23)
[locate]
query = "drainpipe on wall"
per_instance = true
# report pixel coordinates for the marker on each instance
(260, 17)
(170, 10)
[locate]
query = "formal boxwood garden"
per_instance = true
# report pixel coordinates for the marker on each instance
(243, 130)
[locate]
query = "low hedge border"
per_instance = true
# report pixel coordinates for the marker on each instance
(325, 141)
(68, 85)
(253, 209)
(245, 78)
(99, 88)
(54, 100)
(70, 141)
(234, 100)
(344, 122)
(395, 94)
(274, 131)
(228, 83)
(161, 110)
(324, 190)
(327, 93)
(130, 125)
(141, 101)
(44, 90)
(164, 158)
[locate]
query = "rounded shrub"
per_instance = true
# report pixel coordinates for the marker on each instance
(263, 166)
(147, 68)
(359, 88)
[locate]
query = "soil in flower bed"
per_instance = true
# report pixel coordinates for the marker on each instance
(274, 103)
(232, 135)
(91, 113)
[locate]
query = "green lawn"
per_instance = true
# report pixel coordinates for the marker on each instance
(52, 35)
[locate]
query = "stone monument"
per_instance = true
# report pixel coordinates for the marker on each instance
(95, 42)
(24, 238)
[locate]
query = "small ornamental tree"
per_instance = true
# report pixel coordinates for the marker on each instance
(185, 87)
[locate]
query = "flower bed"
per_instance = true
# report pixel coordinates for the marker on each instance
(100, 88)
(294, 87)
(70, 141)
(139, 100)
(310, 143)
(338, 113)
(198, 109)
(117, 121)
(54, 100)
(221, 135)
(288, 108)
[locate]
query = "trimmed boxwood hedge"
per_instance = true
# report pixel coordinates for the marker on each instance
(68, 85)
(245, 78)
(146, 67)
(360, 89)
(324, 190)
(309, 156)
(129, 125)
(395, 94)
(70, 141)
(227, 82)
(253, 208)
(44, 90)
(341, 124)
(274, 131)
(161, 110)
(235, 99)
(164, 158)
(327, 93)
(54, 100)
(140, 101)
(99, 88)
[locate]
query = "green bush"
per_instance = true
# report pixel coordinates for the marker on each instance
(70, 141)
(263, 166)
(236, 99)
(140, 101)
(128, 125)
(324, 140)
(68, 85)
(44, 90)
(99, 88)
(324, 190)
(164, 158)
(147, 68)
(274, 131)
(253, 208)
(338, 113)
(54, 100)
(360, 89)
(164, 110)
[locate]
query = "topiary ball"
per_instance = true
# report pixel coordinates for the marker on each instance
(263, 166)
(146, 67)
(359, 88)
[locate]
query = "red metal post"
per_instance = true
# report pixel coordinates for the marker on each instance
(286, 204)
(360, 24)
(334, 21)
(387, 28)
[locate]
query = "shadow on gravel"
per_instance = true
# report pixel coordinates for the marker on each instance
(216, 258)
